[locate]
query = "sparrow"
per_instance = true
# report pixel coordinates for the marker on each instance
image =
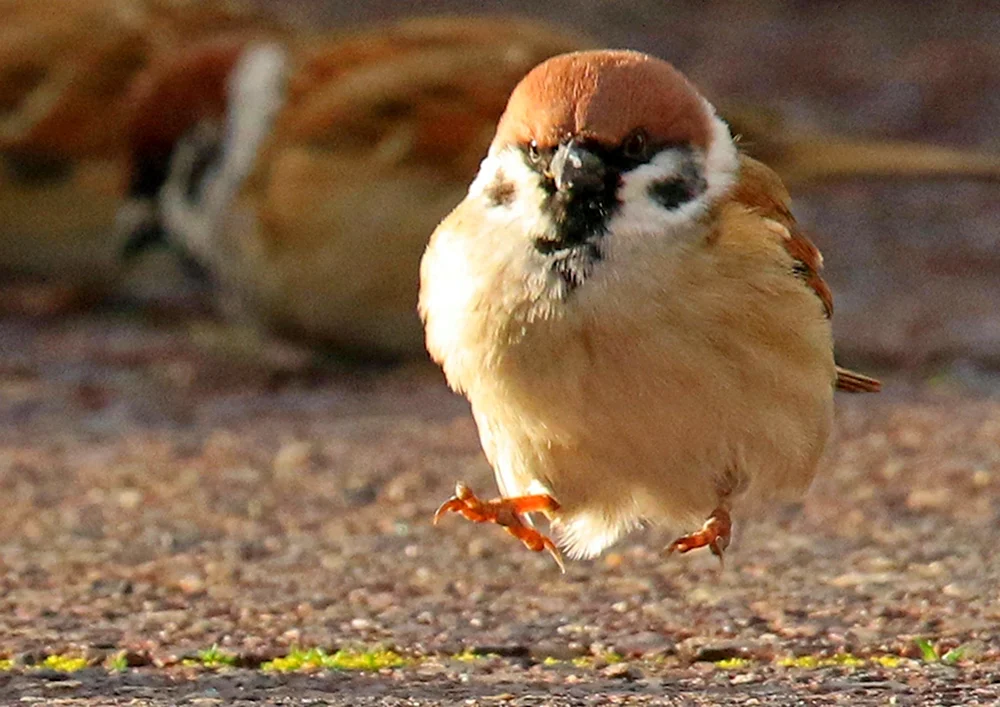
(77, 121)
(309, 199)
(626, 301)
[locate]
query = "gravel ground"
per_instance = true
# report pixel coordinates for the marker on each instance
(163, 496)
(164, 493)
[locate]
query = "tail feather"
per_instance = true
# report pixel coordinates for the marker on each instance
(853, 382)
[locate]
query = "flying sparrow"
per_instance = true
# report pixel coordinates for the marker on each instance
(310, 201)
(626, 301)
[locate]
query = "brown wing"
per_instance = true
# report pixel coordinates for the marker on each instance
(761, 189)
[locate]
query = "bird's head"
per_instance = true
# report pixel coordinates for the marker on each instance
(601, 150)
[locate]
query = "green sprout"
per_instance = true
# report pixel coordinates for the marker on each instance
(212, 657)
(929, 652)
(887, 661)
(469, 656)
(118, 662)
(585, 661)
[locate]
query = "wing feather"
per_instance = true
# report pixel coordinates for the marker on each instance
(761, 189)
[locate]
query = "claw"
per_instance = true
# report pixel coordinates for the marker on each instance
(714, 534)
(456, 503)
(506, 512)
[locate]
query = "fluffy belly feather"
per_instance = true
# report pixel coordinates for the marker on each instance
(626, 424)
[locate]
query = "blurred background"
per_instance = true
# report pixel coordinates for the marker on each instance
(211, 213)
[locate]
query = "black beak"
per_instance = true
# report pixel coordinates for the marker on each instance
(577, 169)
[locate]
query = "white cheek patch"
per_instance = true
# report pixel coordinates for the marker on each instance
(640, 215)
(256, 94)
(525, 219)
(640, 221)
(525, 207)
(639, 212)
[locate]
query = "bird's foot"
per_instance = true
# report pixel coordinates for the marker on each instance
(506, 512)
(714, 534)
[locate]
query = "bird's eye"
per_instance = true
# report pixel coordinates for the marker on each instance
(534, 154)
(634, 146)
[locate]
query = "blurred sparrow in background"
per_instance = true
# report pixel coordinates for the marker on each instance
(626, 301)
(311, 201)
(72, 75)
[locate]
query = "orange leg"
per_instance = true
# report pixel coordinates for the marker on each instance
(714, 535)
(506, 512)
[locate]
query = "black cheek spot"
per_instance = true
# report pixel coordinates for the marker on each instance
(500, 192)
(671, 193)
(149, 172)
